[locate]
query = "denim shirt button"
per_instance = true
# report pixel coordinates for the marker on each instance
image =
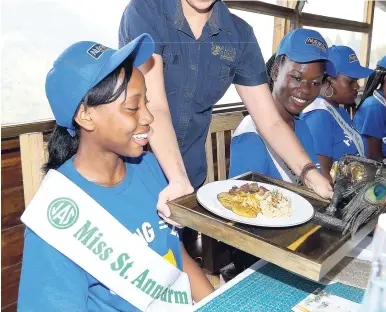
(194, 67)
(189, 94)
(180, 142)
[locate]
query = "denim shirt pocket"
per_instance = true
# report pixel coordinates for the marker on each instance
(172, 63)
(217, 79)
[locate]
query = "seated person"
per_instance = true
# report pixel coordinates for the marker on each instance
(297, 76)
(97, 95)
(370, 118)
(330, 125)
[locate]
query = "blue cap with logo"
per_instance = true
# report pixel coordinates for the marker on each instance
(346, 62)
(382, 62)
(304, 45)
(81, 67)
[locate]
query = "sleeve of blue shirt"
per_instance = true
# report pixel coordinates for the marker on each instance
(308, 142)
(248, 153)
(50, 281)
(251, 69)
(373, 121)
(140, 17)
(321, 128)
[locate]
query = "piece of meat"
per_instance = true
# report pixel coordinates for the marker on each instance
(262, 190)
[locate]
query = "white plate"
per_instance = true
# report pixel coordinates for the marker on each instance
(302, 210)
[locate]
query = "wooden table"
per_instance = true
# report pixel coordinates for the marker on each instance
(309, 250)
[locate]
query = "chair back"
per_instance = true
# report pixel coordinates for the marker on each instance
(34, 154)
(220, 133)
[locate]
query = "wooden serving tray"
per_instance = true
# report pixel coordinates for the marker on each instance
(309, 250)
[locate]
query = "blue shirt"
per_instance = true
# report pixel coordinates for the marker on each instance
(370, 120)
(329, 138)
(249, 153)
(52, 282)
(198, 72)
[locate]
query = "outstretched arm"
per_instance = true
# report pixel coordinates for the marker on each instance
(163, 138)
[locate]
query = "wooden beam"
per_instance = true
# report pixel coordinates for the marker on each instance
(368, 18)
(261, 7)
(15, 130)
(314, 20)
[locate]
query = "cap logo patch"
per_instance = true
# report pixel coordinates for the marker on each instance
(97, 50)
(316, 43)
(352, 58)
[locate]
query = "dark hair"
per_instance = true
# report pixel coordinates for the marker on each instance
(373, 82)
(279, 60)
(62, 146)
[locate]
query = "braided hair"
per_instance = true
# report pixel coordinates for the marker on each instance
(280, 60)
(373, 83)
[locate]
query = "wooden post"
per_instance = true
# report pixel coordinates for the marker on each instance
(368, 18)
(283, 26)
(32, 160)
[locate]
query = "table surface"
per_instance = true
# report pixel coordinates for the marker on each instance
(265, 287)
(310, 250)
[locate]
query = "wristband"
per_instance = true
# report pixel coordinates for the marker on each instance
(305, 170)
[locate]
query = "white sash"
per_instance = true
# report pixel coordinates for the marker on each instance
(382, 100)
(247, 125)
(379, 97)
(72, 222)
(354, 136)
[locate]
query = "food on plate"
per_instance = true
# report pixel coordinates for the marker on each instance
(250, 199)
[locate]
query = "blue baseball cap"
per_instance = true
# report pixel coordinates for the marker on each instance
(346, 62)
(382, 62)
(81, 67)
(304, 45)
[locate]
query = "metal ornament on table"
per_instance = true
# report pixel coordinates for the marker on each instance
(359, 194)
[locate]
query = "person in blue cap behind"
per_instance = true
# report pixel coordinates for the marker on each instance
(97, 95)
(297, 76)
(370, 118)
(330, 125)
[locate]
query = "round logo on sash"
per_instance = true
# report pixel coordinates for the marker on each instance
(62, 213)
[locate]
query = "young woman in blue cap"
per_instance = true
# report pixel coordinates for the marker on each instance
(297, 76)
(201, 49)
(97, 95)
(330, 125)
(370, 118)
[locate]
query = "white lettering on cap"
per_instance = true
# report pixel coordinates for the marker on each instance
(352, 58)
(316, 43)
(97, 50)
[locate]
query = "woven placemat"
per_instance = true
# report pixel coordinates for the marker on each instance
(272, 289)
(352, 272)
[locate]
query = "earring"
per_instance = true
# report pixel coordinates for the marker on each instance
(332, 92)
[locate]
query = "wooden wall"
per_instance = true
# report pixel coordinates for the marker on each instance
(12, 231)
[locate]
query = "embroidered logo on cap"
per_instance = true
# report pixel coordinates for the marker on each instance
(97, 50)
(352, 58)
(316, 43)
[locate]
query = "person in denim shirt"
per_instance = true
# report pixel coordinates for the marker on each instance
(201, 49)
